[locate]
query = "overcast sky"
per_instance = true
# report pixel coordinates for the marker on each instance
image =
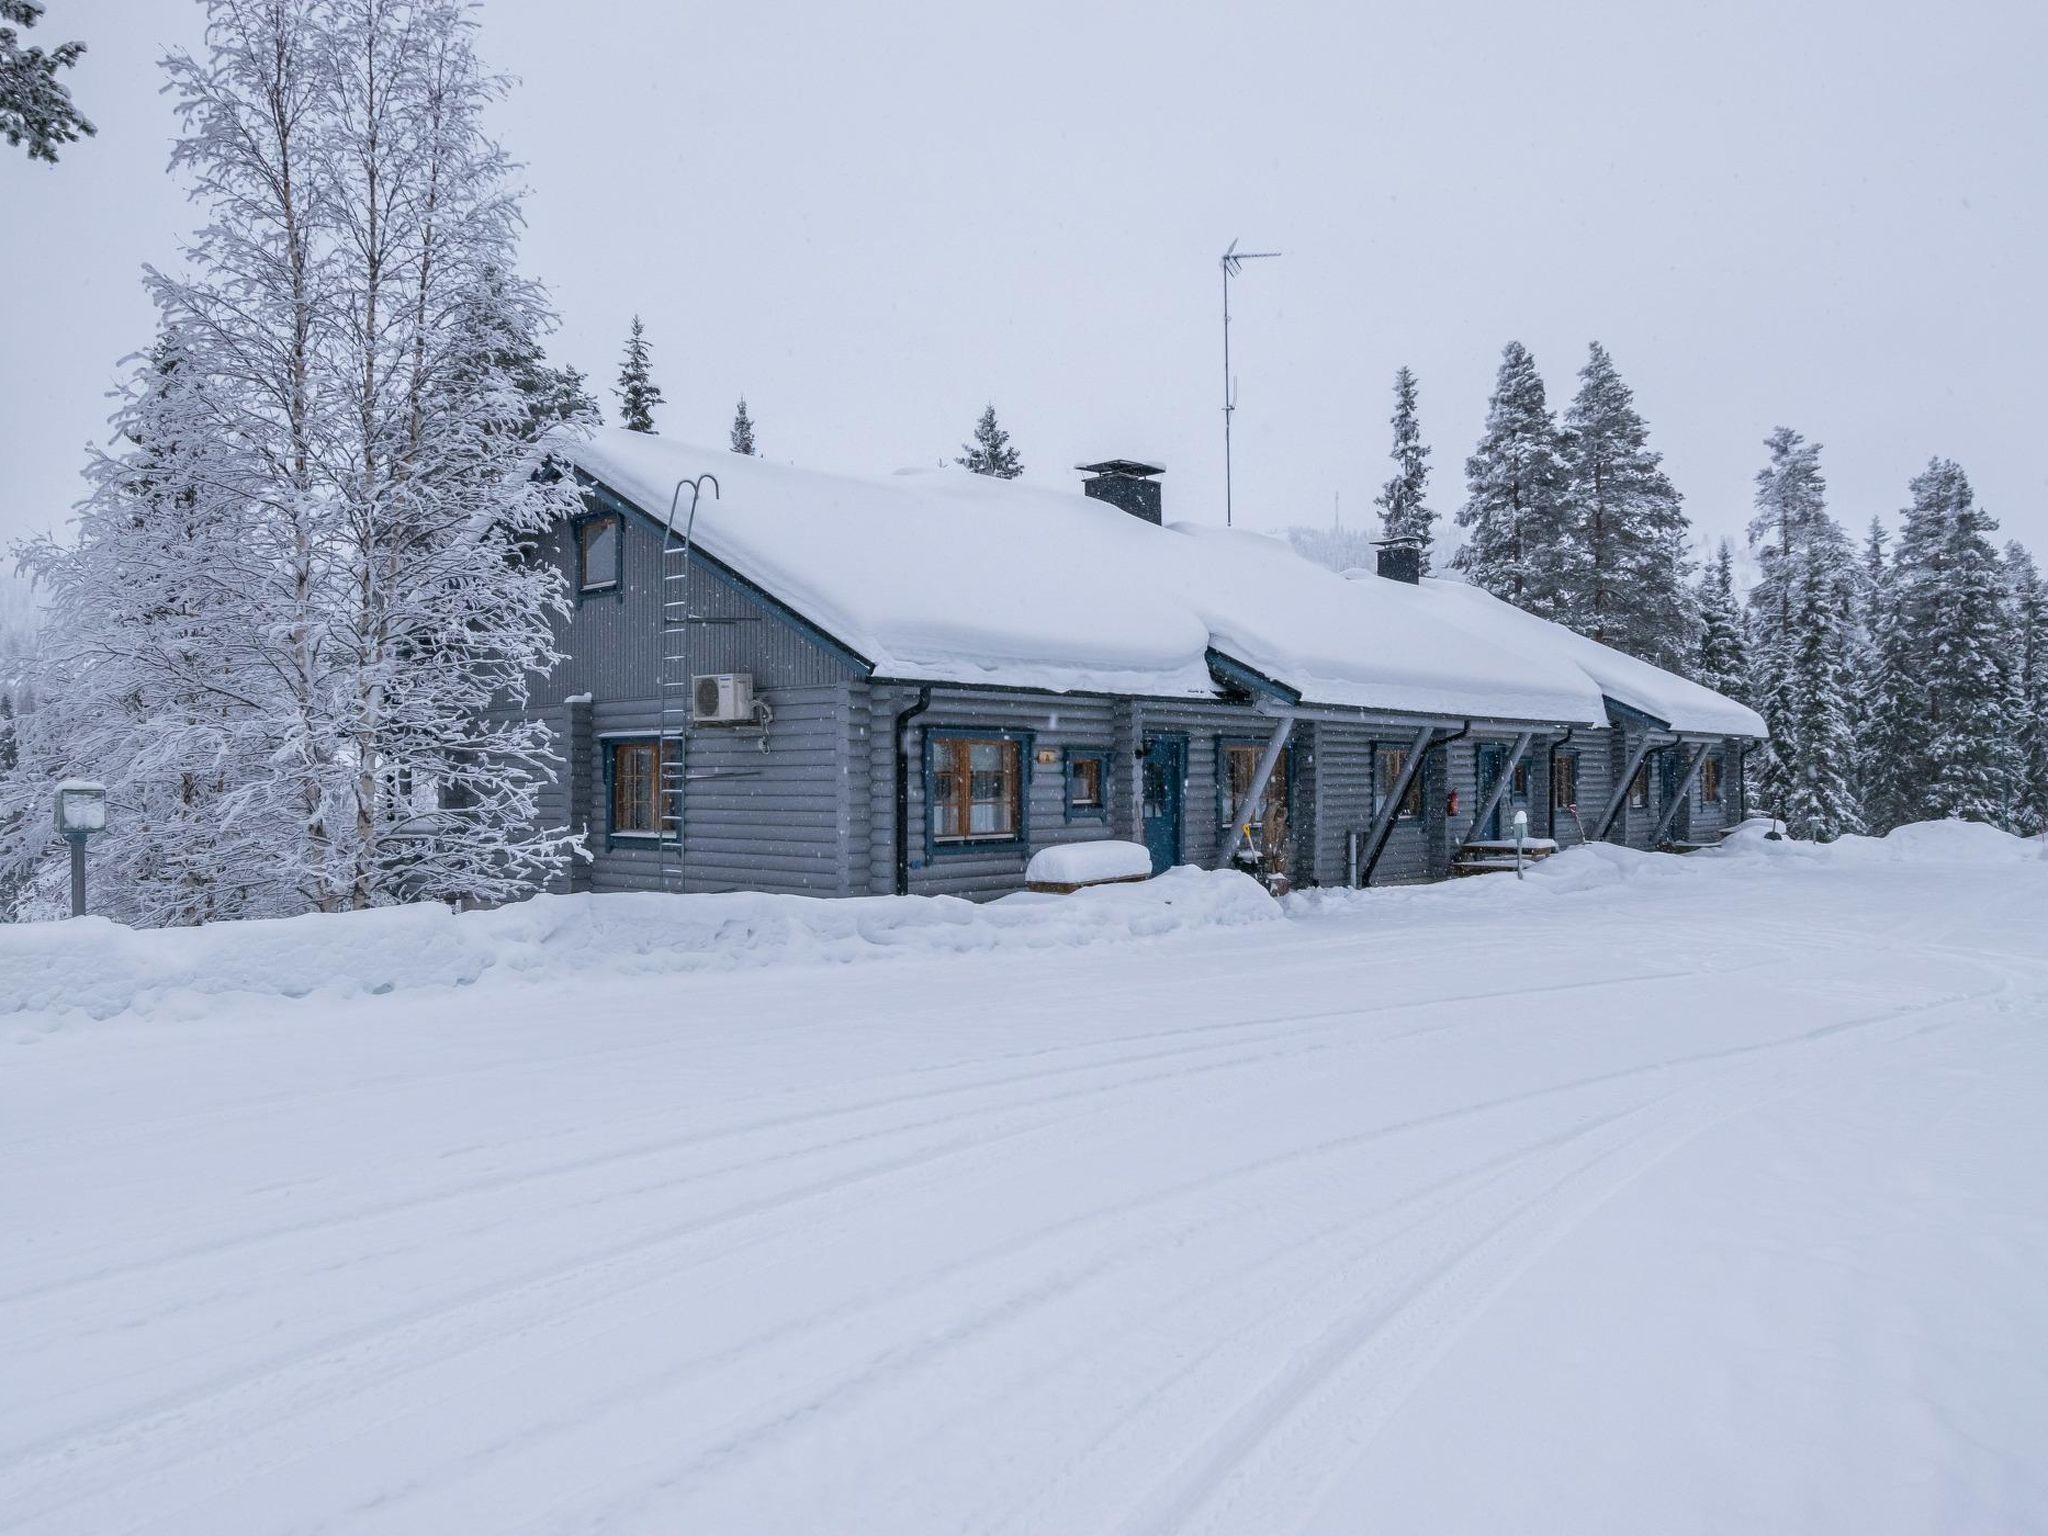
(872, 218)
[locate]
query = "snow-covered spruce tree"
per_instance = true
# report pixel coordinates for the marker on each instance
(1949, 606)
(1721, 658)
(1517, 544)
(743, 430)
(342, 325)
(990, 453)
(1888, 728)
(1403, 504)
(1790, 521)
(147, 678)
(2027, 596)
(1627, 527)
(497, 346)
(638, 393)
(1817, 795)
(35, 106)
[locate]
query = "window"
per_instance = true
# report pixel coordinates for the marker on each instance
(1710, 781)
(977, 789)
(636, 788)
(1391, 761)
(1564, 781)
(597, 553)
(1639, 789)
(1269, 816)
(1087, 784)
(1518, 789)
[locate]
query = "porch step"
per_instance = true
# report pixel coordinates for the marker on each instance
(1489, 857)
(1534, 847)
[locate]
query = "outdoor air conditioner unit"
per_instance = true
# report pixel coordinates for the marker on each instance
(722, 698)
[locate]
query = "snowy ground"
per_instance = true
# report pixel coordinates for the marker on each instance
(1652, 1195)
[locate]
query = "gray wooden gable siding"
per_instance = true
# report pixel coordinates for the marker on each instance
(779, 819)
(612, 641)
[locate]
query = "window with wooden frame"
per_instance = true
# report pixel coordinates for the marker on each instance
(1639, 788)
(977, 789)
(1518, 786)
(1710, 780)
(599, 549)
(1391, 761)
(1087, 783)
(636, 788)
(1269, 816)
(1564, 781)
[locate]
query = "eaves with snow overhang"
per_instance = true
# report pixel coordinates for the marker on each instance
(943, 577)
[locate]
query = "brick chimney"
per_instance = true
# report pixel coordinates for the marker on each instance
(1125, 483)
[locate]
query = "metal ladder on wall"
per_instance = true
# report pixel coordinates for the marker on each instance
(678, 703)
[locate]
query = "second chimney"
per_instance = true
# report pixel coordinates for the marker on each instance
(1400, 560)
(1125, 483)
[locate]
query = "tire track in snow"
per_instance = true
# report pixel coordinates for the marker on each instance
(1276, 1450)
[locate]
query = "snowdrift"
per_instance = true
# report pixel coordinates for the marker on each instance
(98, 968)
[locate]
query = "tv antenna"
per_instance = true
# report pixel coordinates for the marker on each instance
(1232, 262)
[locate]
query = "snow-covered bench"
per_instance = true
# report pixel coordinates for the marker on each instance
(1072, 866)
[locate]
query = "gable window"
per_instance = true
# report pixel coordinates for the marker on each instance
(635, 768)
(1087, 784)
(1391, 761)
(598, 549)
(1710, 781)
(1564, 781)
(977, 789)
(1639, 788)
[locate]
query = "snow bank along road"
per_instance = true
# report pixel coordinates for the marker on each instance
(1700, 1195)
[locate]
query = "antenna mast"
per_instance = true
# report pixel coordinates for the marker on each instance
(1232, 262)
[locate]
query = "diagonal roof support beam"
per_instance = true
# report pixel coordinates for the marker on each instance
(1650, 742)
(1693, 765)
(1499, 791)
(1383, 821)
(1240, 829)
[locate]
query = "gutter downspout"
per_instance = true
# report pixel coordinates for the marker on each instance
(1550, 778)
(902, 728)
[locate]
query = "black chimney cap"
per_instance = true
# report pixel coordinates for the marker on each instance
(1121, 467)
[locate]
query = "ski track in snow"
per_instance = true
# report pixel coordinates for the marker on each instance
(1151, 1242)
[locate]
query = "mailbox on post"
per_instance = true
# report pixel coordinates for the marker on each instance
(81, 812)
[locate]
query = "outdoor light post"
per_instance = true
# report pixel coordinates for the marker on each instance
(81, 811)
(1521, 833)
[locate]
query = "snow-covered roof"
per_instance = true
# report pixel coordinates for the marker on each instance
(944, 576)
(1678, 702)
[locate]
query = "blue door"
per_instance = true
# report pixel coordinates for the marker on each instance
(1493, 761)
(1165, 786)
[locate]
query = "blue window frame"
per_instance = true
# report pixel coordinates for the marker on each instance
(1087, 783)
(600, 539)
(977, 789)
